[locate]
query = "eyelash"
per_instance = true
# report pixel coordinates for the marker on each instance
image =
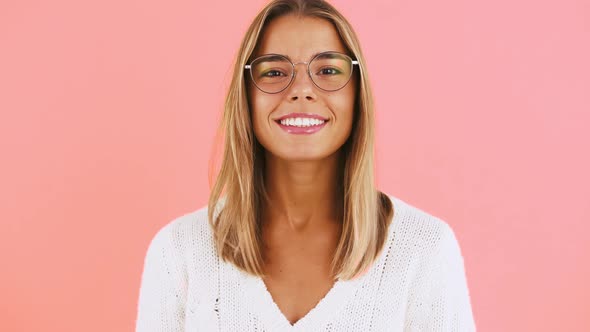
(336, 71)
(273, 71)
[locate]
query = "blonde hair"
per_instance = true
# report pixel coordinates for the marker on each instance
(366, 211)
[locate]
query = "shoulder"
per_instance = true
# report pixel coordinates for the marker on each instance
(187, 232)
(185, 224)
(424, 233)
(433, 268)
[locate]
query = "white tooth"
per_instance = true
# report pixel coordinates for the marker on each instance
(301, 122)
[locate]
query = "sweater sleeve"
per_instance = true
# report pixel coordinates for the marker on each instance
(444, 302)
(162, 292)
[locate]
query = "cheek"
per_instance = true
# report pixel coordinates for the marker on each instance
(256, 103)
(344, 105)
(261, 107)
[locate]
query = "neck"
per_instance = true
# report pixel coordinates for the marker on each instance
(303, 195)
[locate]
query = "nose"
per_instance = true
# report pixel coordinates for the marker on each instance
(302, 87)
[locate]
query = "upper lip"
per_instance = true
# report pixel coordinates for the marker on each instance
(301, 115)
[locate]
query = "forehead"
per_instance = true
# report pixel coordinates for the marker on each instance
(299, 37)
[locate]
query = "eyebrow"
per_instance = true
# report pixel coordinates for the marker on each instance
(276, 56)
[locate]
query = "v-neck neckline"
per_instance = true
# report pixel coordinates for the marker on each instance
(331, 304)
(274, 319)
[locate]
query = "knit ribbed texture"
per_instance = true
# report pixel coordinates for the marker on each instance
(417, 283)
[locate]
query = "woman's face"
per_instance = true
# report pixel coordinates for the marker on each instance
(300, 39)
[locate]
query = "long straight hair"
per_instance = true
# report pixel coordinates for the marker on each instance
(238, 194)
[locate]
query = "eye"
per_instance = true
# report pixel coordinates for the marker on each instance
(273, 73)
(329, 71)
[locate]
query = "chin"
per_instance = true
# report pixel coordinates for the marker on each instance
(304, 154)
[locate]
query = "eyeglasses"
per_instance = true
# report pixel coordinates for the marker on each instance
(329, 71)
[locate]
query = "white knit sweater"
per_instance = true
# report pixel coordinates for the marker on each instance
(417, 283)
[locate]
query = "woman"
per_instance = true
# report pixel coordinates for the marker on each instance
(296, 237)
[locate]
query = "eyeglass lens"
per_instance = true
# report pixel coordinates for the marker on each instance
(329, 71)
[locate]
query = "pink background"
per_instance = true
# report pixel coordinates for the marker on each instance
(108, 112)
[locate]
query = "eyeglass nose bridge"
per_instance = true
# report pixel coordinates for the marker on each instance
(294, 72)
(301, 62)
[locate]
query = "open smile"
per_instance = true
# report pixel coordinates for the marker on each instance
(301, 123)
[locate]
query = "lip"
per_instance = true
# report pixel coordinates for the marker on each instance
(302, 130)
(301, 115)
